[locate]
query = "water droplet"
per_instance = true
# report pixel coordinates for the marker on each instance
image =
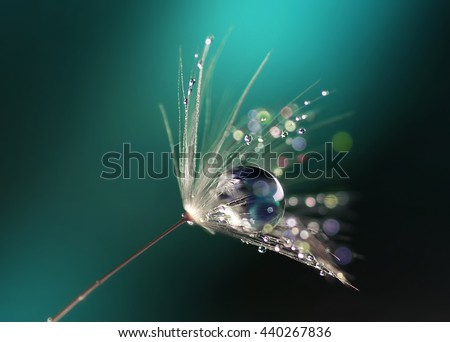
(260, 139)
(248, 139)
(266, 238)
(322, 273)
(185, 101)
(310, 258)
(190, 223)
(209, 40)
(306, 103)
(301, 256)
(298, 118)
(200, 64)
(196, 55)
(262, 249)
(284, 134)
(191, 82)
(287, 243)
(325, 93)
(301, 130)
(277, 248)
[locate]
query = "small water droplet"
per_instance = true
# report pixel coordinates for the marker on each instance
(200, 64)
(266, 238)
(277, 248)
(262, 249)
(287, 243)
(248, 139)
(306, 103)
(322, 273)
(260, 139)
(310, 258)
(191, 82)
(284, 134)
(301, 130)
(196, 55)
(185, 101)
(325, 92)
(298, 118)
(301, 256)
(190, 223)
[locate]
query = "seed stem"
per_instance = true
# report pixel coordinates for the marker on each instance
(116, 269)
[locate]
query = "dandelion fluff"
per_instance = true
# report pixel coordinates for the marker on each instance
(245, 198)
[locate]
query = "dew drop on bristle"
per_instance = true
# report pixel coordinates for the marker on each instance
(301, 130)
(284, 134)
(191, 82)
(325, 92)
(262, 249)
(248, 139)
(306, 103)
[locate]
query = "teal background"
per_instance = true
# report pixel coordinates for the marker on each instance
(79, 78)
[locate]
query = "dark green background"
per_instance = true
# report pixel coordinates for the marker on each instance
(79, 78)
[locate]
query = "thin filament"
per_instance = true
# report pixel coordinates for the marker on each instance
(116, 269)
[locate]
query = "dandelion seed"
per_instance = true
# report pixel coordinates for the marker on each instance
(246, 202)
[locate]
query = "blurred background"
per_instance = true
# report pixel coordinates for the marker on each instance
(80, 78)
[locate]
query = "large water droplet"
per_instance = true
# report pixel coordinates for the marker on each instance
(262, 249)
(250, 197)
